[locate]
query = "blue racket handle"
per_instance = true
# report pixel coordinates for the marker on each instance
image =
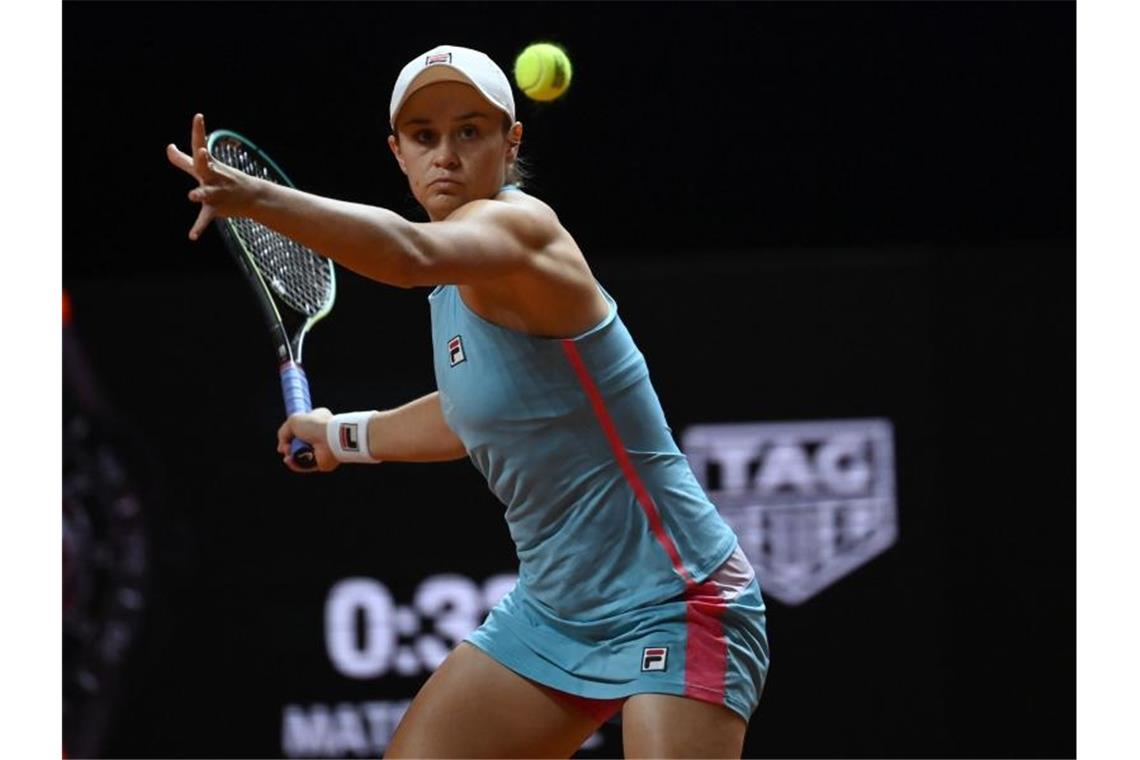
(295, 387)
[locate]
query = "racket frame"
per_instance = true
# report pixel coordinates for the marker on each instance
(288, 349)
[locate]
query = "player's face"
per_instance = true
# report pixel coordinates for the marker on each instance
(452, 147)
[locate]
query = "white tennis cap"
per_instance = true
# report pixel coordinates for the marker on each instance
(451, 63)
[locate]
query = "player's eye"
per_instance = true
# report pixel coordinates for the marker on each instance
(424, 136)
(468, 132)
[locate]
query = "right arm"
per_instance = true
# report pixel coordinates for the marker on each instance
(414, 432)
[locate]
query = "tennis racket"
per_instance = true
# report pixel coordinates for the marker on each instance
(294, 286)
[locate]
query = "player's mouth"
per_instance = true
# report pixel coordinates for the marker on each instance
(445, 183)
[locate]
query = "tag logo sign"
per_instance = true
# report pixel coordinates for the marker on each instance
(349, 436)
(810, 501)
(437, 58)
(455, 350)
(654, 658)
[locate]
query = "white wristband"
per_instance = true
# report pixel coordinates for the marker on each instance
(347, 435)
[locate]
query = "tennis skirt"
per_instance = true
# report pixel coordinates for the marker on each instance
(709, 643)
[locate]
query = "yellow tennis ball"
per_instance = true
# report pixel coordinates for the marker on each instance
(542, 71)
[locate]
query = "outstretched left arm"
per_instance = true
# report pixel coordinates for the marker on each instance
(481, 240)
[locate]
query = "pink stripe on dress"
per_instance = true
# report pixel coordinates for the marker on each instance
(706, 649)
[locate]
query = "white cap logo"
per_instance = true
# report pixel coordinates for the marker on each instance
(450, 63)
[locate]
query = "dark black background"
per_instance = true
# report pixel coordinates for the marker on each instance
(805, 210)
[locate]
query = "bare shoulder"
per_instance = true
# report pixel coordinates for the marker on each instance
(555, 294)
(523, 214)
(523, 200)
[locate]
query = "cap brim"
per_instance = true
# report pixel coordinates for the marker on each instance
(440, 72)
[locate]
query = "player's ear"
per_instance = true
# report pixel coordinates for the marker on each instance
(394, 144)
(514, 140)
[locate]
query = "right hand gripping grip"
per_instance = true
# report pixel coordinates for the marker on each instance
(295, 387)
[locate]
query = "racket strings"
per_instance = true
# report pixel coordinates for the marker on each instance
(302, 279)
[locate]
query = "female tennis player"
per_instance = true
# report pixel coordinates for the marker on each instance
(633, 594)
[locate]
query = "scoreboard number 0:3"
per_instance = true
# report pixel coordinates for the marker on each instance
(368, 635)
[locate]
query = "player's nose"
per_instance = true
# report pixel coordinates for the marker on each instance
(445, 155)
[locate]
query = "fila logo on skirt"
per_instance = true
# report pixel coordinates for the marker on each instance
(455, 350)
(654, 658)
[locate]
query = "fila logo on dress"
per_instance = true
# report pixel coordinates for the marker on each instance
(654, 658)
(455, 350)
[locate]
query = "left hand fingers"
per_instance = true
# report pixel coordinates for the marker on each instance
(181, 160)
(205, 216)
(197, 132)
(204, 166)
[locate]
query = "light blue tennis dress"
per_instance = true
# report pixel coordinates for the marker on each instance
(629, 580)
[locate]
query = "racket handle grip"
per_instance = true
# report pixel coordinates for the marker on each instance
(295, 388)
